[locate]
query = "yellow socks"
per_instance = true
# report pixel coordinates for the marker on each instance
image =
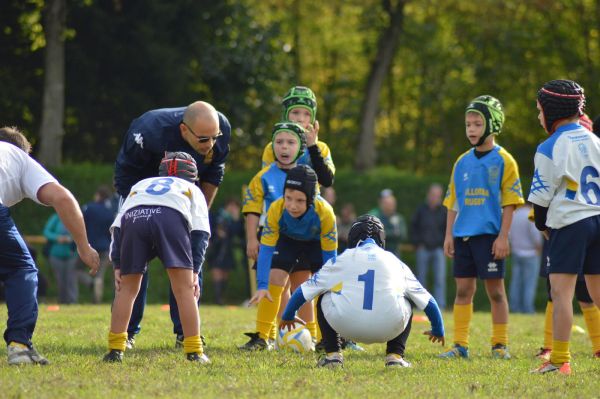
(117, 340)
(560, 352)
(318, 335)
(548, 326)
(267, 311)
(192, 345)
(18, 345)
(500, 334)
(462, 320)
(273, 332)
(312, 327)
(591, 315)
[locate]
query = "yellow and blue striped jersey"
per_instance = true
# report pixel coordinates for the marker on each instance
(264, 188)
(479, 188)
(268, 156)
(317, 224)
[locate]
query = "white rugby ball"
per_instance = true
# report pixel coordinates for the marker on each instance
(297, 338)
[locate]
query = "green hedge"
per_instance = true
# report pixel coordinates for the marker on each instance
(361, 189)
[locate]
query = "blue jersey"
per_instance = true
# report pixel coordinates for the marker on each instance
(98, 216)
(264, 188)
(157, 131)
(317, 224)
(479, 188)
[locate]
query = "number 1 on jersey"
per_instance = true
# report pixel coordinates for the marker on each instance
(369, 279)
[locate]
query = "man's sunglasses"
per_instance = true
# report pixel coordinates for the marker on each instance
(203, 139)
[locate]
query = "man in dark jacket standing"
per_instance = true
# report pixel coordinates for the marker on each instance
(428, 228)
(199, 130)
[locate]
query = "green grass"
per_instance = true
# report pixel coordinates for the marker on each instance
(74, 340)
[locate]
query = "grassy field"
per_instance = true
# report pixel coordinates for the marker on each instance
(74, 340)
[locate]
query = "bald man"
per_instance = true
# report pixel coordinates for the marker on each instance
(198, 129)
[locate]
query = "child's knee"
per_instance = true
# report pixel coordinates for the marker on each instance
(465, 293)
(497, 296)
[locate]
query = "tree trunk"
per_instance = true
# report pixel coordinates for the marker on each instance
(386, 48)
(297, 60)
(53, 107)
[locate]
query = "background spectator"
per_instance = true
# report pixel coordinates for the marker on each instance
(328, 193)
(428, 229)
(62, 259)
(228, 233)
(345, 219)
(394, 223)
(526, 244)
(98, 216)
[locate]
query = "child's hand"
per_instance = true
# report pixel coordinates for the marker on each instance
(546, 234)
(252, 248)
(260, 294)
(288, 324)
(449, 246)
(501, 248)
(434, 338)
(312, 134)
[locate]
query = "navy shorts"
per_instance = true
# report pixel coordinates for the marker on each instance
(473, 257)
(293, 255)
(151, 231)
(575, 249)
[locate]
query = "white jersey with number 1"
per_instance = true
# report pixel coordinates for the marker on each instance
(366, 294)
(171, 192)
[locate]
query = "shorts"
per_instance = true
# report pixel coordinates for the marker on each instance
(473, 257)
(292, 255)
(151, 231)
(575, 249)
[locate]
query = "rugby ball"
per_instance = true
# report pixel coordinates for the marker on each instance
(297, 338)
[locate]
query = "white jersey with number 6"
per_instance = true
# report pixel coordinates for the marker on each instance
(366, 294)
(171, 192)
(566, 179)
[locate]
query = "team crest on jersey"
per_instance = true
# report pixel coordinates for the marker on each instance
(465, 176)
(493, 175)
(139, 139)
(271, 188)
(492, 267)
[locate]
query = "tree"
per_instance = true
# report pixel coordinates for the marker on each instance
(386, 49)
(53, 107)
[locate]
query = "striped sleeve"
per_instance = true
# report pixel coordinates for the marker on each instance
(329, 239)
(254, 195)
(512, 194)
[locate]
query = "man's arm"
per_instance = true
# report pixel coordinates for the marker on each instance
(67, 208)
(210, 191)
